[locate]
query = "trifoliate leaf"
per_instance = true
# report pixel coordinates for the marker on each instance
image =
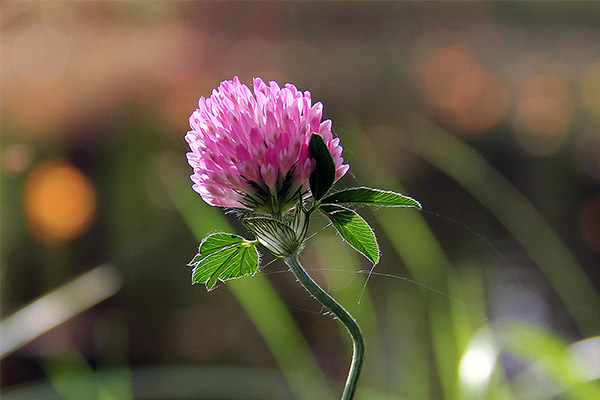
(275, 236)
(323, 176)
(222, 256)
(354, 229)
(370, 196)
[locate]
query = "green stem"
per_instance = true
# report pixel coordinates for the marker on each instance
(358, 343)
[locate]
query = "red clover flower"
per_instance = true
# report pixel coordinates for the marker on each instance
(270, 153)
(250, 150)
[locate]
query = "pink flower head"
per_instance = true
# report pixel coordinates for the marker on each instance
(250, 150)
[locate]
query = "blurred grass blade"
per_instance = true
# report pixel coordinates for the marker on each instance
(280, 332)
(416, 245)
(346, 285)
(465, 165)
(167, 382)
(58, 306)
(551, 360)
(73, 378)
(587, 351)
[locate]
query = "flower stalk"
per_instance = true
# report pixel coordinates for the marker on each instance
(358, 343)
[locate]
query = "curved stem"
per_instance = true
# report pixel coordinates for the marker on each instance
(358, 343)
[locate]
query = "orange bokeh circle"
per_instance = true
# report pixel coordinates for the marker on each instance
(60, 201)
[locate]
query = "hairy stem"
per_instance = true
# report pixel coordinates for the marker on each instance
(358, 344)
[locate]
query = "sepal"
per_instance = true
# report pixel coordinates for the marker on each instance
(275, 236)
(299, 223)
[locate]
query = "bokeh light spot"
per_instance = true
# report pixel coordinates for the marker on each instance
(543, 113)
(483, 106)
(464, 94)
(60, 201)
(441, 70)
(478, 361)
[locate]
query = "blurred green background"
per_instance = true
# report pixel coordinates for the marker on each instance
(488, 113)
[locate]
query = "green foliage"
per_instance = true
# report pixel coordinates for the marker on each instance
(477, 176)
(223, 256)
(370, 196)
(323, 176)
(275, 236)
(554, 357)
(354, 229)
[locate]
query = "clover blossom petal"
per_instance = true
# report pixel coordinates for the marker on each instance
(249, 149)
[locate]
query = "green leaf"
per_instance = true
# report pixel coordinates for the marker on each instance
(213, 243)
(323, 176)
(222, 256)
(354, 229)
(365, 195)
(275, 236)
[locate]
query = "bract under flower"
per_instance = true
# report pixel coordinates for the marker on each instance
(250, 150)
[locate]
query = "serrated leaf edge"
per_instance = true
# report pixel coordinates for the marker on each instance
(344, 239)
(247, 244)
(418, 203)
(193, 263)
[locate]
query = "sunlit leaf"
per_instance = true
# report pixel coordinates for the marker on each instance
(223, 256)
(323, 176)
(354, 229)
(370, 196)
